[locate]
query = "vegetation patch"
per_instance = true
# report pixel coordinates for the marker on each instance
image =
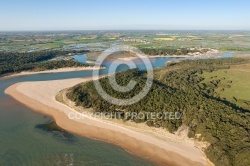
(232, 85)
(35, 61)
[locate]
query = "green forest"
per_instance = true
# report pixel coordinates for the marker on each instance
(169, 51)
(11, 62)
(178, 87)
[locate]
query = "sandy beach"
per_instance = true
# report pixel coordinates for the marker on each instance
(172, 150)
(66, 69)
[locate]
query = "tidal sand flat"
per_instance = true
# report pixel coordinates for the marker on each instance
(40, 96)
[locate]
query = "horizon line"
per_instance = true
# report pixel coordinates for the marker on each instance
(126, 30)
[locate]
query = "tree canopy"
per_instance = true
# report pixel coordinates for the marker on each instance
(178, 88)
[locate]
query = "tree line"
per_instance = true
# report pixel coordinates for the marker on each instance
(170, 51)
(11, 62)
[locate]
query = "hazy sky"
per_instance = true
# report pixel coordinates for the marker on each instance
(124, 14)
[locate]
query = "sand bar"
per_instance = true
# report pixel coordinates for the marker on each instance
(59, 70)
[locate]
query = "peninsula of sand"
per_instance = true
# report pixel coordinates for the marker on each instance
(154, 144)
(59, 70)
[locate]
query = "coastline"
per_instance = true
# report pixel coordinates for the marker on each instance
(170, 56)
(156, 56)
(59, 70)
(42, 99)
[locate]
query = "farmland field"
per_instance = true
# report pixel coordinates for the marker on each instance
(234, 84)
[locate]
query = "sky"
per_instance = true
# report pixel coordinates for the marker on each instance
(25, 15)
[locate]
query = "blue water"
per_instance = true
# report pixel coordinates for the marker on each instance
(80, 58)
(227, 55)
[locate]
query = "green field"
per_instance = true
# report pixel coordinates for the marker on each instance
(224, 41)
(234, 85)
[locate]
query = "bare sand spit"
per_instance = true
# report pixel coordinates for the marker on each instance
(65, 69)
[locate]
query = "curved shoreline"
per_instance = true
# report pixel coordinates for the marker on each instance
(59, 70)
(42, 99)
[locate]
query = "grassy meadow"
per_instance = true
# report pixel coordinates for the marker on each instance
(233, 84)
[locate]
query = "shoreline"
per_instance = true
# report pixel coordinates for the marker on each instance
(42, 99)
(59, 70)
(155, 56)
(170, 56)
(179, 136)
